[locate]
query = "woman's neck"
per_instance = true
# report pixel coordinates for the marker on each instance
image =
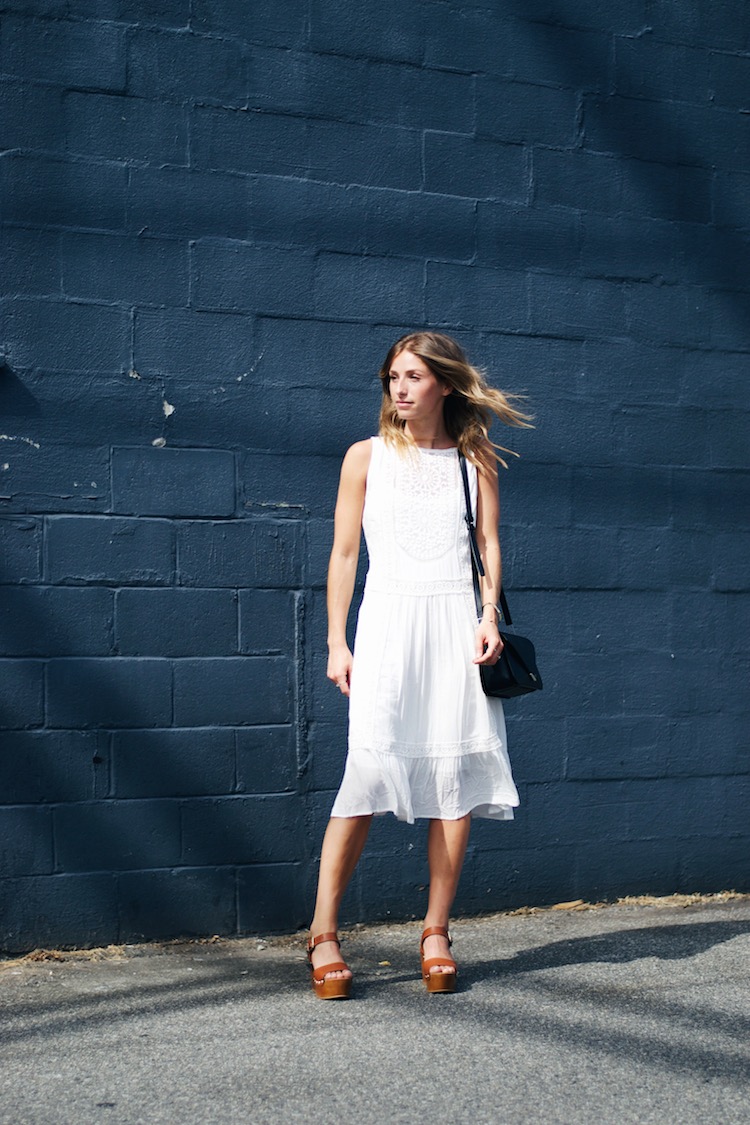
(425, 440)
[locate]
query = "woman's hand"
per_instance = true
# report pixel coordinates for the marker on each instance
(339, 670)
(488, 643)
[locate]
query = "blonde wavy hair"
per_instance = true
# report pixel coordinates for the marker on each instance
(469, 408)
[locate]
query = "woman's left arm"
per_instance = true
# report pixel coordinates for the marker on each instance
(488, 642)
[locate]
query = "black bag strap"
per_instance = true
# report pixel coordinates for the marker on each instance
(477, 567)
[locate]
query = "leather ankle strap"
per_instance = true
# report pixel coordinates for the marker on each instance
(436, 931)
(315, 941)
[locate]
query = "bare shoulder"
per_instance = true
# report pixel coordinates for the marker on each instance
(357, 460)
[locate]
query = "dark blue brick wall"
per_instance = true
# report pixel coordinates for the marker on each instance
(215, 219)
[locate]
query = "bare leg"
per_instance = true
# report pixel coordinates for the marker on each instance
(342, 846)
(446, 848)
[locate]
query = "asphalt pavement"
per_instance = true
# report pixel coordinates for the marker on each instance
(617, 1014)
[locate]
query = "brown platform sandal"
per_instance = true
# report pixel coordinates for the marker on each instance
(338, 988)
(437, 982)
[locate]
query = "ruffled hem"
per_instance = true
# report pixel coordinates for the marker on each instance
(427, 788)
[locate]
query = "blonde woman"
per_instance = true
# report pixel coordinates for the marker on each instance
(424, 741)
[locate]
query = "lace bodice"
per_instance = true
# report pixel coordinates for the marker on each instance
(414, 521)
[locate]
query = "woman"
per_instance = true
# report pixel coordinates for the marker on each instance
(424, 741)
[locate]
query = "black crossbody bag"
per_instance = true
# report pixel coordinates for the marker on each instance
(516, 672)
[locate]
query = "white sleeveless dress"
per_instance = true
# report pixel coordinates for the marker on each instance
(424, 739)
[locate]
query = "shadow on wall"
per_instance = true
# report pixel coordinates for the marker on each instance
(198, 855)
(643, 130)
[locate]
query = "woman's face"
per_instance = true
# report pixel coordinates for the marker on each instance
(417, 394)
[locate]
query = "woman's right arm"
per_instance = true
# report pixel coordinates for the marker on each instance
(342, 568)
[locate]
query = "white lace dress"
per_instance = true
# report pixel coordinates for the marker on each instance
(424, 740)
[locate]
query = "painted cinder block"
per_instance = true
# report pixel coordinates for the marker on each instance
(69, 53)
(109, 692)
(617, 747)
(462, 295)
(31, 263)
(39, 191)
(442, 227)
(240, 277)
(298, 486)
(304, 213)
(25, 841)
(83, 549)
(577, 307)
(31, 116)
(661, 71)
(172, 763)
(266, 759)
(53, 767)
(48, 621)
(62, 335)
(351, 286)
(555, 56)
(515, 238)
(715, 258)
(631, 248)
(283, 25)
(20, 549)
(212, 348)
(666, 192)
(246, 141)
(467, 38)
(150, 271)
(176, 64)
(175, 622)
(326, 744)
(628, 18)
(22, 695)
(174, 482)
(457, 164)
(520, 112)
(50, 477)
(660, 436)
(639, 128)
(731, 191)
(639, 494)
(720, 863)
(731, 562)
(190, 204)
(267, 622)
(242, 553)
(624, 867)
(386, 32)
(117, 835)
(187, 902)
(233, 691)
(370, 155)
(121, 128)
(319, 542)
(271, 898)
(307, 85)
(58, 911)
(725, 27)
(160, 13)
(420, 97)
(241, 830)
